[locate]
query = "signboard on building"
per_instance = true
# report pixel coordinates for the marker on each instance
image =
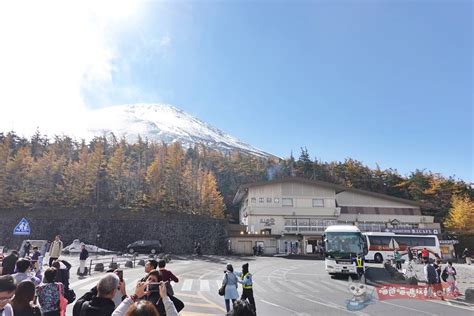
(413, 231)
(449, 242)
(267, 221)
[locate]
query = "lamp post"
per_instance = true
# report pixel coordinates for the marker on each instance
(97, 243)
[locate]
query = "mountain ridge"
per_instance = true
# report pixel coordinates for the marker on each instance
(163, 122)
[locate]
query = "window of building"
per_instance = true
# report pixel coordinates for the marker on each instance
(276, 200)
(253, 200)
(371, 227)
(303, 221)
(318, 202)
(287, 202)
(261, 200)
(269, 200)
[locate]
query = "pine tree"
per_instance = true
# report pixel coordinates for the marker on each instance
(304, 165)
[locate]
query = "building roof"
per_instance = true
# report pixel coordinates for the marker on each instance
(243, 189)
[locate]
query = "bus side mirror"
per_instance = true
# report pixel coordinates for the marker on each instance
(364, 245)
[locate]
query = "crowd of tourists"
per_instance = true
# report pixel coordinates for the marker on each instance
(27, 290)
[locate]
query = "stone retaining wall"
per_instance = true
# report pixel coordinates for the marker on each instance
(116, 229)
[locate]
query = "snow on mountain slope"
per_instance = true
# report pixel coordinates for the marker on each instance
(162, 122)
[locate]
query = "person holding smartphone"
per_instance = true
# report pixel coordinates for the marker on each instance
(154, 279)
(121, 292)
(135, 305)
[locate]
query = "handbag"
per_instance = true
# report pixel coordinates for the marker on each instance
(70, 295)
(62, 302)
(221, 291)
(444, 275)
(178, 304)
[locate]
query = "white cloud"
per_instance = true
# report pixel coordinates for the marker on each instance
(49, 49)
(165, 41)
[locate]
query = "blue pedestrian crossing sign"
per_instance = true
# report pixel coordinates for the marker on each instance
(23, 228)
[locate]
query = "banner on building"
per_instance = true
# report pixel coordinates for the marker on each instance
(413, 231)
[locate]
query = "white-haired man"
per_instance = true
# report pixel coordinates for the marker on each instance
(102, 304)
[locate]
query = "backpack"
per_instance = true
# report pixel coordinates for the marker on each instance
(432, 274)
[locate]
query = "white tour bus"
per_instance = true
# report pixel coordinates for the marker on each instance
(381, 246)
(343, 243)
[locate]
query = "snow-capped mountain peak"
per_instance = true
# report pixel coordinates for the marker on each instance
(162, 122)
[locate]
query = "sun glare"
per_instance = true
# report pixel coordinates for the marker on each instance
(114, 9)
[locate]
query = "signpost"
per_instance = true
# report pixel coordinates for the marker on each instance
(23, 228)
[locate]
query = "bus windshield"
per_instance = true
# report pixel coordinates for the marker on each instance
(343, 245)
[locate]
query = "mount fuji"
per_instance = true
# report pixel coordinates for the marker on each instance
(162, 123)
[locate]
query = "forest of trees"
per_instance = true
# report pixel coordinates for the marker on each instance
(110, 173)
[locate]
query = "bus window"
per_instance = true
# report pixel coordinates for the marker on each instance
(385, 240)
(403, 242)
(374, 241)
(428, 241)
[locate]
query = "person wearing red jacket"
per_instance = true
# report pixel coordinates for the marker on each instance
(425, 255)
(167, 276)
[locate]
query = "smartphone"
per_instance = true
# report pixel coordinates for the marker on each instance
(119, 274)
(153, 287)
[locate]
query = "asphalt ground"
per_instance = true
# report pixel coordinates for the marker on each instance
(281, 287)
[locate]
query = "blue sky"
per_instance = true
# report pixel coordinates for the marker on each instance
(387, 82)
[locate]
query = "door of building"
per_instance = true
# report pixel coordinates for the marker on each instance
(244, 247)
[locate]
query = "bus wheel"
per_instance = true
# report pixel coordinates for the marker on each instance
(378, 258)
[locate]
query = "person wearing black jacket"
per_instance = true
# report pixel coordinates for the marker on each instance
(9, 263)
(102, 304)
(466, 255)
(63, 267)
(82, 259)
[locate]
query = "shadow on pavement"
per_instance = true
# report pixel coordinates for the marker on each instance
(212, 258)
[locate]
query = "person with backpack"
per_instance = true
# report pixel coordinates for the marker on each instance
(431, 277)
(450, 275)
(49, 293)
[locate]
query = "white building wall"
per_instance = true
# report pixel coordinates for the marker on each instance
(348, 198)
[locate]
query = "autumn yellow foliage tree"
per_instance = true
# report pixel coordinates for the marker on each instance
(461, 214)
